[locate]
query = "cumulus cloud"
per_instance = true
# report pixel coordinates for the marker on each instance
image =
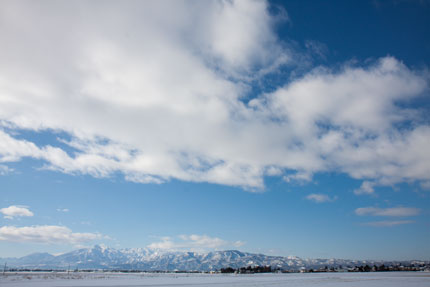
(157, 95)
(193, 242)
(319, 198)
(388, 223)
(16, 211)
(50, 234)
(392, 211)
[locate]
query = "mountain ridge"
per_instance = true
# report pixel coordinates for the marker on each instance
(146, 259)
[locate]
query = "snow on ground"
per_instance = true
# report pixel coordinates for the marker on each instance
(394, 279)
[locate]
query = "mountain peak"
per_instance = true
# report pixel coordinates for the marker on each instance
(100, 247)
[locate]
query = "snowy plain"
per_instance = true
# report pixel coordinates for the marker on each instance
(395, 279)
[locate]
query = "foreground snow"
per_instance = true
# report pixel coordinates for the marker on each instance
(400, 279)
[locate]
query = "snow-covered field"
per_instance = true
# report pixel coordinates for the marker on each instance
(396, 279)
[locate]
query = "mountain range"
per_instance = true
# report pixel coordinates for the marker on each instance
(101, 257)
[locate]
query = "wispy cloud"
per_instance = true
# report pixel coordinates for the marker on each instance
(63, 210)
(388, 223)
(193, 242)
(319, 198)
(49, 234)
(317, 48)
(16, 211)
(425, 185)
(393, 211)
(365, 188)
(5, 170)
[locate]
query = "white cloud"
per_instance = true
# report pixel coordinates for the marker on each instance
(365, 188)
(393, 211)
(49, 234)
(346, 121)
(236, 48)
(154, 90)
(194, 243)
(319, 198)
(16, 211)
(388, 223)
(299, 176)
(273, 171)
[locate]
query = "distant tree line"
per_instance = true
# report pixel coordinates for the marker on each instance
(249, 270)
(374, 268)
(360, 268)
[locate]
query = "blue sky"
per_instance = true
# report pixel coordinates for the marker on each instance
(285, 128)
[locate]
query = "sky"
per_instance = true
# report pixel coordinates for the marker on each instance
(276, 127)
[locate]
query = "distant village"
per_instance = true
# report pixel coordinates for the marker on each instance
(417, 267)
(362, 268)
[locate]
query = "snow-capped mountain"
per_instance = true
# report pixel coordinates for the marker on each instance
(101, 257)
